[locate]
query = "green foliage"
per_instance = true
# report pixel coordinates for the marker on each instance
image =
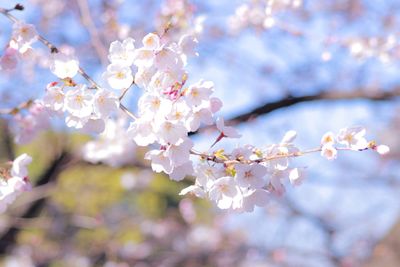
(88, 190)
(114, 215)
(151, 204)
(91, 239)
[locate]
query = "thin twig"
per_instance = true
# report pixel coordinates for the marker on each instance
(125, 91)
(54, 49)
(8, 238)
(215, 159)
(127, 111)
(87, 21)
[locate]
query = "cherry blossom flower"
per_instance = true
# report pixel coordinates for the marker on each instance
(24, 34)
(105, 103)
(145, 56)
(289, 137)
(259, 14)
(179, 154)
(276, 185)
(181, 171)
(29, 125)
(280, 162)
(195, 119)
(281, 150)
(19, 166)
(206, 175)
(250, 175)
(328, 138)
(112, 147)
(215, 104)
(199, 92)
(179, 111)
(161, 80)
(54, 97)
(64, 65)
(168, 59)
(188, 44)
(79, 102)
(382, 149)
(223, 191)
(150, 105)
(9, 60)
(193, 189)
(296, 176)
(141, 131)
(151, 41)
(118, 76)
(122, 53)
(169, 132)
(353, 137)
(226, 131)
(159, 161)
(242, 153)
(254, 197)
(76, 122)
(16, 183)
(329, 151)
(143, 76)
(93, 125)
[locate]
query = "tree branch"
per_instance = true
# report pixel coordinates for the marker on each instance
(376, 95)
(8, 238)
(7, 140)
(331, 96)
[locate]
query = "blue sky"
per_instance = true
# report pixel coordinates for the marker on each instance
(297, 68)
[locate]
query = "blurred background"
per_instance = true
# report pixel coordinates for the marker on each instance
(310, 66)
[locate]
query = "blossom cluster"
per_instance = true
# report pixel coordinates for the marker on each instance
(19, 47)
(170, 108)
(260, 14)
(13, 181)
(176, 18)
(113, 147)
(382, 48)
(35, 120)
(247, 176)
(352, 138)
(85, 109)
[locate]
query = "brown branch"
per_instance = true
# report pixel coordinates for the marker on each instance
(329, 95)
(7, 140)
(54, 49)
(8, 238)
(372, 95)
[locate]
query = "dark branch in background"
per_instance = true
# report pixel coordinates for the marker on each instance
(6, 140)
(376, 95)
(8, 238)
(63, 161)
(269, 107)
